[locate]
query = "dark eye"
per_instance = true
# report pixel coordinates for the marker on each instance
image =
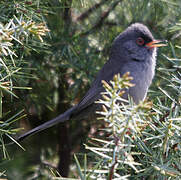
(140, 41)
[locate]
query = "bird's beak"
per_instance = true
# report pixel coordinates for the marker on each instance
(155, 43)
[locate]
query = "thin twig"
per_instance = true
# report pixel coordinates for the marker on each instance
(87, 13)
(100, 21)
(111, 172)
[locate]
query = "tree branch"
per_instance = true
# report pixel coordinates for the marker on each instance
(87, 13)
(100, 21)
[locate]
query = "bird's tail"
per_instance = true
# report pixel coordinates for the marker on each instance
(61, 118)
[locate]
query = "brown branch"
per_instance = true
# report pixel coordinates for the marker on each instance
(64, 150)
(109, 23)
(67, 9)
(167, 114)
(87, 13)
(100, 21)
(67, 14)
(111, 172)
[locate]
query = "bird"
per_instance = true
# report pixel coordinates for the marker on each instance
(134, 51)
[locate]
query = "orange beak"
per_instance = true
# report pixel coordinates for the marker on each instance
(155, 43)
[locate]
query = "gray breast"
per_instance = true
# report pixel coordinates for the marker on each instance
(143, 73)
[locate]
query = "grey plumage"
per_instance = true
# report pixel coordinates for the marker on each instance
(126, 55)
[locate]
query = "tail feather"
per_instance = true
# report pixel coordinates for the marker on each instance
(61, 118)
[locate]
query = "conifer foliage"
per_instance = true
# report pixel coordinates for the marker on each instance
(50, 51)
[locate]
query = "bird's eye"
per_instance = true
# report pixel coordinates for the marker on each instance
(140, 41)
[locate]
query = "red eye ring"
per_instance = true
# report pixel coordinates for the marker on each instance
(140, 41)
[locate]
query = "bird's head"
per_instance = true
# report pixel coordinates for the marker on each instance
(136, 43)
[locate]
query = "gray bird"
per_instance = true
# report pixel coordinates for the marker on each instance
(134, 51)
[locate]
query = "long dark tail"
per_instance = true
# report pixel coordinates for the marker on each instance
(61, 118)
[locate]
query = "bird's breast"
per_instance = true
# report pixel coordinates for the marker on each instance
(142, 74)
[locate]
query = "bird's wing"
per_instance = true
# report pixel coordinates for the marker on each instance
(91, 96)
(94, 93)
